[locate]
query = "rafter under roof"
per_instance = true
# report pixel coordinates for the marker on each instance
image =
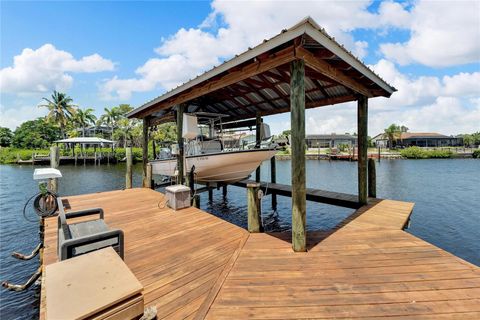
(258, 80)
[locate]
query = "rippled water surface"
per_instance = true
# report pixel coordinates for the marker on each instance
(446, 195)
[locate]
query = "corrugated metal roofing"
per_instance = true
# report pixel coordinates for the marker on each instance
(268, 92)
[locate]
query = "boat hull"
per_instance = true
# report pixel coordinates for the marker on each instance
(219, 167)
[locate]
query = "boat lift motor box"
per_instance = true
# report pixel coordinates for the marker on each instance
(178, 196)
(190, 127)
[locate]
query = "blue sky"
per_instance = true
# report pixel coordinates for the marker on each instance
(106, 53)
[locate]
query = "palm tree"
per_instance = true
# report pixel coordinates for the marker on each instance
(60, 109)
(393, 133)
(83, 118)
(110, 117)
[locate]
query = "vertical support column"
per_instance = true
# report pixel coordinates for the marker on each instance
(210, 194)
(128, 175)
(148, 180)
(145, 151)
(297, 111)
(258, 138)
(224, 191)
(362, 124)
(273, 179)
(180, 156)
(154, 149)
(379, 153)
(254, 211)
(372, 179)
(54, 162)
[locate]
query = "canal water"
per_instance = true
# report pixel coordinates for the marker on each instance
(446, 193)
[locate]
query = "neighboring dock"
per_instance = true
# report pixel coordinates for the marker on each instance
(194, 265)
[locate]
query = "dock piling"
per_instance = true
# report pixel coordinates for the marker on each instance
(54, 162)
(258, 143)
(372, 179)
(224, 191)
(273, 179)
(128, 176)
(254, 211)
(362, 123)
(145, 152)
(297, 112)
(148, 179)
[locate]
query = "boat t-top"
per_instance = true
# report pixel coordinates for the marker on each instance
(206, 153)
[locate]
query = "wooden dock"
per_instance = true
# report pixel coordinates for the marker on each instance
(315, 195)
(194, 265)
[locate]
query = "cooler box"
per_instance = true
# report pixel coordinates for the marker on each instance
(178, 196)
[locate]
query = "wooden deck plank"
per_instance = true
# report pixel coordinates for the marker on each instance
(367, 267)
(193, 265)
(176, 255)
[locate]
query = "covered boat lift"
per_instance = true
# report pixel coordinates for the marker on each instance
(300, 68)
(83, 141)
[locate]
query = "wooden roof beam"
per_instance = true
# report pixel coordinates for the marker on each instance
(283, 56)
(331, 72)
(315, 104)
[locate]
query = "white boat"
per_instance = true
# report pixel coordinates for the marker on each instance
(229, 166)
(213, 163)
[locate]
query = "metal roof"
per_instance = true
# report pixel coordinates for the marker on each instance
(86, 140)
(263, 85)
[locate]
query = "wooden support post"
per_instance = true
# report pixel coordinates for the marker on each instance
(128, 176)
(273, 179)
(54, 163)
(148, 179)
(299, 196)
(145, 152)
(224, 191)
(196, 201)
(154, 149)
(254, 211)
(210, 195)
(379, 153)
(258, 138)
(180, 156)
(362, 123)
(372, 179)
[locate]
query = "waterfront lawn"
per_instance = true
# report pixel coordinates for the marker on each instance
(11, 155)
(420, 153)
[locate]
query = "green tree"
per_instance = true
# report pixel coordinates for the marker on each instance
(6, 137)
(35, 134)
(60, 110)
(286, 133)
(166, 132)
(127, 130)
(84, 118)
(110, 118)
(393, 133)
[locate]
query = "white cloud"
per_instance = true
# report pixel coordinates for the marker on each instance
(47, 68)
(190, 52)
(448, 105)
(443, 33)
(234, 26)
(14, 116)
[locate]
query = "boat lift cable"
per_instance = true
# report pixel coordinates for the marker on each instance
(41, 212)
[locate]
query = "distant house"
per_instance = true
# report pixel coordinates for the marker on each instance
(419, 139)
(95, 131)
(330, 140)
